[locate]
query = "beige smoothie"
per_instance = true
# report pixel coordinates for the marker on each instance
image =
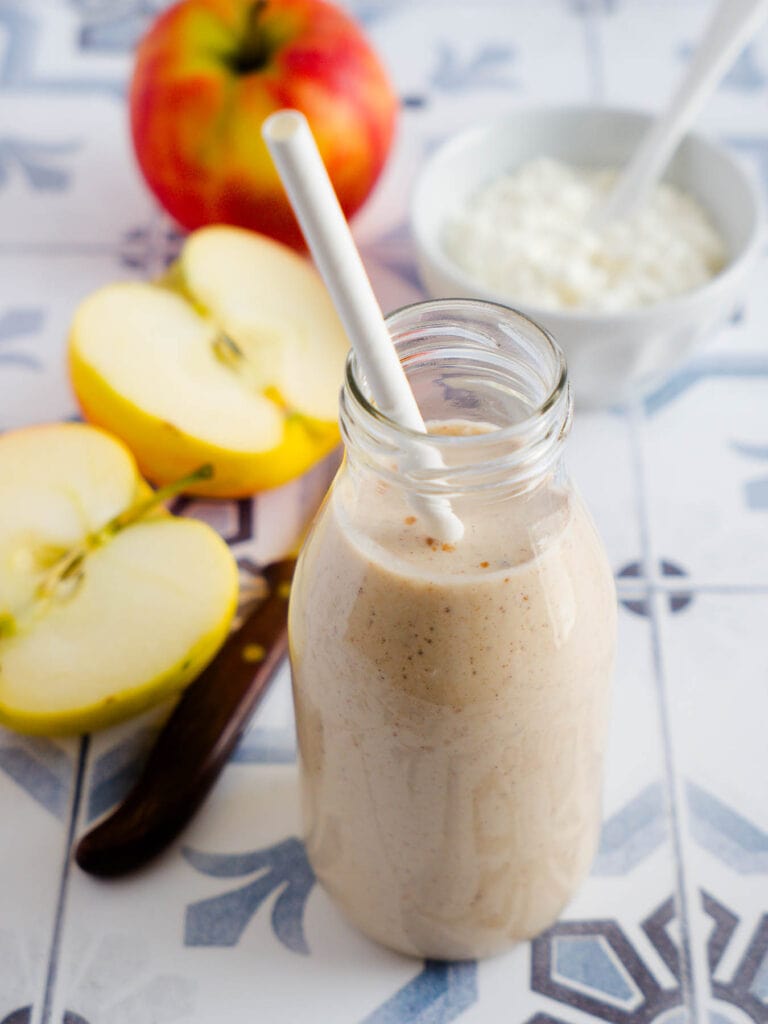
(451, 705)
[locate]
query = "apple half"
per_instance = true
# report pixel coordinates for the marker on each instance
(107, 602)
(235, 359)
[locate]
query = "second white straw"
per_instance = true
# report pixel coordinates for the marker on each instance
(327, 234)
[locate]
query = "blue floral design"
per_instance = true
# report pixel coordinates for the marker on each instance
(369, 11)
(745, 74)
(584, 7)
(632, 833)
(147, 247)
(727, 366)
(755, 491)
(114, 772)
(730, 837)
(747, 986)
(440, 993)
(221, 920)
(19, 322)
(39, 767)
(394, 251)
(487, 68)
(637, 603)
(17, 65)
(115, 27)
(38, 162)
(755, 148)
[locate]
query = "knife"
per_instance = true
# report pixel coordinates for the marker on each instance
(196, 741)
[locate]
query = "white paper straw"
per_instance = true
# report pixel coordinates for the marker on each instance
(325, 229)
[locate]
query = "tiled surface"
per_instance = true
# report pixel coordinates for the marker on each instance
(672, 926)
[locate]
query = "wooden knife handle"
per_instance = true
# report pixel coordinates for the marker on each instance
(196, 741)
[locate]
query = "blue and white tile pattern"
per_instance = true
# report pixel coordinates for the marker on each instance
(229, 926)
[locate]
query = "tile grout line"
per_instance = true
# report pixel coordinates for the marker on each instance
(633, 586)
(634, 420)
(590, 16)
(59, 249)
(673, 787)
(53, 955)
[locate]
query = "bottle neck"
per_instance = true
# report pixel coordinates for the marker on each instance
(492, 387)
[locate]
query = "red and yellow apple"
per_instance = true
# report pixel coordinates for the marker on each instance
(209, 72)
(236, 359)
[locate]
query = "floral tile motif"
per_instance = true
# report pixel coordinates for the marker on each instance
(67, 173)
(220, 921)
(229, 925)
(38, 296)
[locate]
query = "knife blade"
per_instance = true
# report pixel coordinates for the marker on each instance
(196, 741)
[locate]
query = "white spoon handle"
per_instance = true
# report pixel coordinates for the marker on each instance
(732, 24)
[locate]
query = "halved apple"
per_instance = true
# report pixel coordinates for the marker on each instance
(107, 603)
(236, 358)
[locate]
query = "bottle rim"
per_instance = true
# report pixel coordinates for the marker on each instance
(553, 410)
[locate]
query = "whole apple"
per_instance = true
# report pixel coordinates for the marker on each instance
(209, 72)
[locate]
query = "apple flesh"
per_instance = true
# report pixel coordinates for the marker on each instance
(238, 365)
(102, 612)
(209, 72)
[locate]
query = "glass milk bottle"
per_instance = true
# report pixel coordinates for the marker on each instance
(452, 699)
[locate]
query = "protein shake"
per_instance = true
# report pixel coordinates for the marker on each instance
(452, 700)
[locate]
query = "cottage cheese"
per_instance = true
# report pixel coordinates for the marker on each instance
(526, 236)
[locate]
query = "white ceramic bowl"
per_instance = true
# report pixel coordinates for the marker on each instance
(612, 356)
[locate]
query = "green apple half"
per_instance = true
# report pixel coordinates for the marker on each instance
(107, 603)
(235, 359)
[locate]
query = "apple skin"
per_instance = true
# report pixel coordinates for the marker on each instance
(209, 72)
(114, 481)
(226, 279)
(238, 474)
(116, 708)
